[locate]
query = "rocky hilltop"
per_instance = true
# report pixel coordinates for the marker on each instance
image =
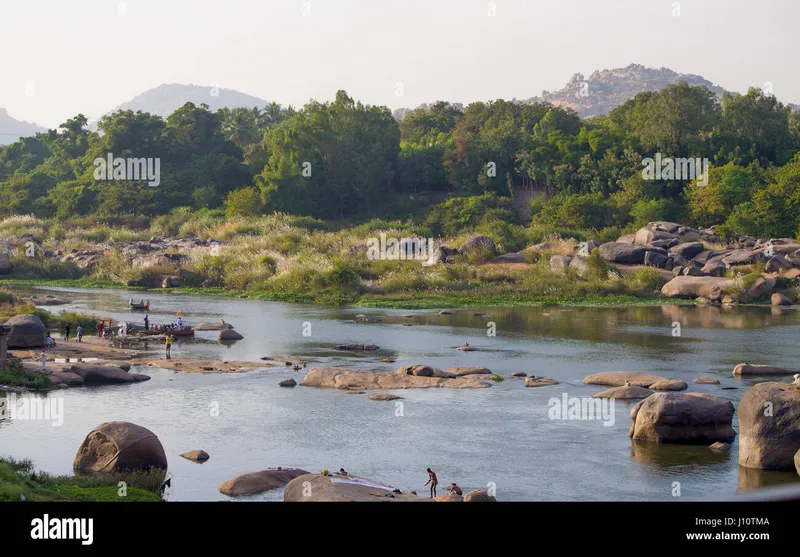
(605, 90)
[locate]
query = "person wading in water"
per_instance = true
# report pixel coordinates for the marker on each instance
(433, 481)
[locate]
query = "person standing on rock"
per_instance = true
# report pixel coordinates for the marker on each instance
(433, 481)
(44, 361)
(66, 331)
(146, 323)
(100, 328)
(168, 341)
(79, 331)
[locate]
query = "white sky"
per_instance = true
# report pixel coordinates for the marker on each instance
(81, 56)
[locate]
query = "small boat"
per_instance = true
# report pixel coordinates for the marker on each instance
(140, 307)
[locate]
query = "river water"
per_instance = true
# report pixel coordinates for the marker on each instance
(501, 437)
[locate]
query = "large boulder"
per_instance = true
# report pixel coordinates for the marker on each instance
(692, 287)
(655, 259)
(769, 426)
(687, 418)
(120, 447)
(714, 269)
(757, 369)
(66, 378)
(560, 262)
(373, 380)
(762, 287)
(259, 482)
(625, 393)
(479, 496)
(464, 371)
(5, 264)
(213, 326)
(335, 488)
(688, 250)
(228, 335)
(797, 461)
(669, 385)
(27, 331)
(91, 373)
(482, 244)
(776, 263)
(618, 252)
(743, 257)
(580, 266)
(618, 379)
(779, 299)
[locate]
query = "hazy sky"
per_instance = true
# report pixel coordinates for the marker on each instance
(62, 57)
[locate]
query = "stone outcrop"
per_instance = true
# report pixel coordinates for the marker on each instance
(693, 287)
(27, 331)
(255, 483)
(318, 488)
(618, 378)
(228, 335)
(686, 418)
(619, 252)
(769, 426)
(374, 380)
(626, 393)
(757, 369)
(120, 447)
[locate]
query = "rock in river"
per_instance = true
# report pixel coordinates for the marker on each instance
(374, 380)
(669, 385)
(119, 447)
(335, 488)
(755, 369)
(213, 327)
(706, 381)
(365, 347)
(618, 378)
(288, 382)
(475, 370)
(627, 393)
(769, 426)
(539, 382)
(687, 418)
(383, 396)
(196, 456)
(259, 482)
(229, 334)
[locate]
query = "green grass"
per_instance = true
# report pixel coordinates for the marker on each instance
(15, 377)
(18, 478)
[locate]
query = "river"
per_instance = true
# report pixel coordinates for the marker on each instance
(501, 437)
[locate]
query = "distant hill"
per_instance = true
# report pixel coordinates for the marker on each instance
(11, 129)
(167, 98)
(605, 90)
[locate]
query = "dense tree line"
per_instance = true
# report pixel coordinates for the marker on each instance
(345, 160)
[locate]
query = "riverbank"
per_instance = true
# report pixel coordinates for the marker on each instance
(20, 482)
(417, 300)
